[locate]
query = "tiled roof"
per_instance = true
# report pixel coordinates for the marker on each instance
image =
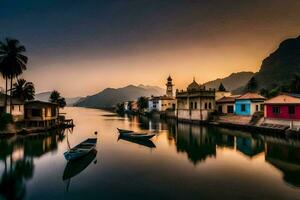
(284, 99)
(228, 99)
(251, 95)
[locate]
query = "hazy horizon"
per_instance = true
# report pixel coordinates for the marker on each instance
(82, 48)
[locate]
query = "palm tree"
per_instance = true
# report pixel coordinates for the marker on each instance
(12, 62)
(56, 98)
(23, 90)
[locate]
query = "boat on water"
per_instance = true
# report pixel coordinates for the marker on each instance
(124, 130)
(81, 149)
(138, 136)
(76, 166)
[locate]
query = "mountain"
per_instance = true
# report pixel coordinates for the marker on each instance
(44, 96)
(280, 66)
(111, 96)
(231, 82)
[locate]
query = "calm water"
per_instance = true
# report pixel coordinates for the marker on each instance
(183, 162)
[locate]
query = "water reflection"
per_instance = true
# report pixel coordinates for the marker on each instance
(145, 143)
(286, 159)
(17, 154)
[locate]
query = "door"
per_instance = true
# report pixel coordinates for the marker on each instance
(230, 109)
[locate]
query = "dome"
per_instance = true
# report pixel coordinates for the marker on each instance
(169, 78)
(193, 86)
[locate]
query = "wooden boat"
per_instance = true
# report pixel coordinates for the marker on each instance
(138, 136)
(76, 166)
(81, 149)
(124, 130)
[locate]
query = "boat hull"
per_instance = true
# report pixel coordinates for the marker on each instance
(81, 149)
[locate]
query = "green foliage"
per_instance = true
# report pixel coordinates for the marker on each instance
(5, 119)
(221, 88)
(120, 108)
(23, 90)
(252, 85)
(142, 103)
(56, 98)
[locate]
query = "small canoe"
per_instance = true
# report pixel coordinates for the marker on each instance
(124, 130)
(138, 136)
(81, 149)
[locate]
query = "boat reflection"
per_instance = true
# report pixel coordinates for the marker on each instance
(74, 167)
(145, 143)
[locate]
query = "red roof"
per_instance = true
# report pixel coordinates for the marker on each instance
(251, 96)
(284, 99)
(229, 99)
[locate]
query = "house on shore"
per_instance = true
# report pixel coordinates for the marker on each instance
(249, 103)
(226, 105)
(195, 104)
(41, 114)
(163, 103)
(131, 106)
(17, 108)
(283, 109)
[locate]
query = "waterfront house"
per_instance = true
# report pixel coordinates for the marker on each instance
(131, 106)
(17, 108)
(284, 106)
(283, 109)
(161, 103)
(41, 114)
(195, 104)
(226, 105)
(249, 103)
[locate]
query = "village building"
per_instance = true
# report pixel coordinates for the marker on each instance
(195, 104)
(17, 108)
(41, 114)
(226, 105)
(131, 106)
(163, 103)
(284, 109)
(249, 103)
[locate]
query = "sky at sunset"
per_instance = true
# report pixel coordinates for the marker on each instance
(81, 47)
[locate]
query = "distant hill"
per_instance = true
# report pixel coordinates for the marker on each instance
(44, 96)
(281, 65)
(110, 96)
(231, 82)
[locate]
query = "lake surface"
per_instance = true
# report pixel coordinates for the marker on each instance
(182, 162)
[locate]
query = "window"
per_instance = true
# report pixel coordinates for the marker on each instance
(205, 105)
(209, 105)
(13, 107)
(291, 110)
(195, 105)
(243, 107)
(276, 110)
(229, 109)
(36, 113)
(256, 107)
(191, 106)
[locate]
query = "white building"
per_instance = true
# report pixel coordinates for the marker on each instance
(163, 103)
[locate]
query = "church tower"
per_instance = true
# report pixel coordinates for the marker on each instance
(169, 87)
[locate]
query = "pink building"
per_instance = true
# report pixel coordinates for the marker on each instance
(284, 106)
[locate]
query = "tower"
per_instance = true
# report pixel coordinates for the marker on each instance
(169, 87)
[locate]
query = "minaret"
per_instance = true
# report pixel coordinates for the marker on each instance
(169, 87)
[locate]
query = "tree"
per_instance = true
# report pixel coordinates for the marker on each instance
(294, 86)
(222, 88)
(252, 85)
(12, 62)
(56, 98)
(142, 103)
(23, 90)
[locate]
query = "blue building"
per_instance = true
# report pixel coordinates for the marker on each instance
(248, 104)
